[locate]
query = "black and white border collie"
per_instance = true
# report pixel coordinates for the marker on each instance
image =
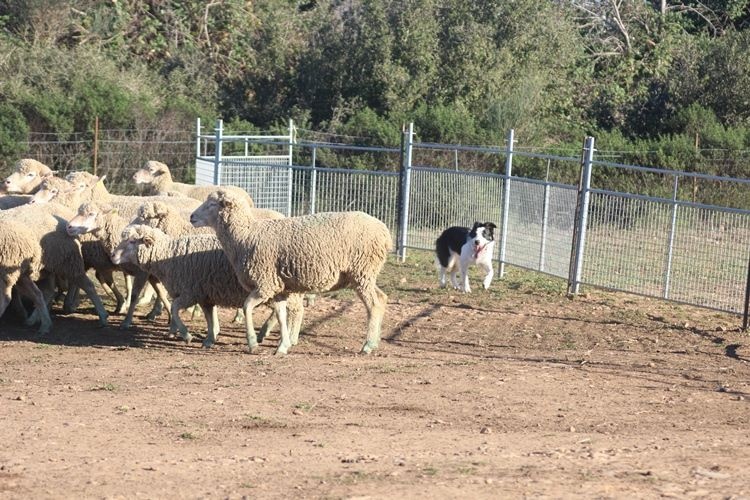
(459, 247)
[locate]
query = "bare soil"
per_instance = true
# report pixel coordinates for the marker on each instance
(514, 392)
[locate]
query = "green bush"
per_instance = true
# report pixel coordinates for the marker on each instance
(13, 132)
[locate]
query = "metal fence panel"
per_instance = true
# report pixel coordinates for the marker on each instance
(443, 198)
(268, 185)
(710, 258)
(375, 193)
(627, 243)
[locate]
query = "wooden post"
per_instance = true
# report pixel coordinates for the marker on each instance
(96, 143)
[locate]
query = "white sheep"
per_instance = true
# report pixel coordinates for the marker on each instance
(26, 177)
(195, 270)
(95, 256)
(314, 253)
(157, 175)
(61, 255)
(173, 223)
(20, 264)
(105, 224)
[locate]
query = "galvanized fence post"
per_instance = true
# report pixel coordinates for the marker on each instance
(545, 222)
(579, 235)
(405, 188)
(290, 176)
(197, 137)
(313, 181)
(670, 248)
(506, 200)
(746, 308)
(218, 151)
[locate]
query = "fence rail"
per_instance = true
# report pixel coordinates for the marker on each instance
(592, 234)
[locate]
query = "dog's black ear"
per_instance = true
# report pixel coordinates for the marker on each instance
(476, 225)
(490, 225)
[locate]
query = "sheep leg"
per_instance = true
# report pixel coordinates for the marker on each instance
(296, 311)
(28, 288)
(107, 281)
(211, 312)
(375, 301)
(139, 281)
(270, 323)
(251, 302)
(5, 298)
(239, 317)
(88, 287)
(48, 284)
(163, 295)
(176, 322)
(148, 294)
(279, 306)
(128, 293)
(17, 305)
(72, 300)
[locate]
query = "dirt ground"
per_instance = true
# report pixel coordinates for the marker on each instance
(513, 392)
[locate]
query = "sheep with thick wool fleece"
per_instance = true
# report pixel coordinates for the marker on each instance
(313, 253)
(162, 216)
(195, 270)
(26, 177)
(105, 224)
(157, 175)
(61, 255)
(20, 265)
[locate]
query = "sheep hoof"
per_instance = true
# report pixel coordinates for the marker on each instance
(125, 325)
(207, 344)
(281, 352)
(187, 338)
(368, 347)
(252, 348)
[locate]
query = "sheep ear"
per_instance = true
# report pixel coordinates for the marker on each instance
(99, 180)
(148, 240)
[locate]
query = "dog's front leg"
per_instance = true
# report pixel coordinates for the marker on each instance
(465, 277)
(489, 273)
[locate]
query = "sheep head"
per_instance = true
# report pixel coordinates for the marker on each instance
(27, 175)
(150, 171)
(133, 237)
(51, 188)
(88, 219)
(207, 214)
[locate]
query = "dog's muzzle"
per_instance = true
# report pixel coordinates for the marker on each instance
(478, 249)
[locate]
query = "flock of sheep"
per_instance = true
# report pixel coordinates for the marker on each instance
(195, 246)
